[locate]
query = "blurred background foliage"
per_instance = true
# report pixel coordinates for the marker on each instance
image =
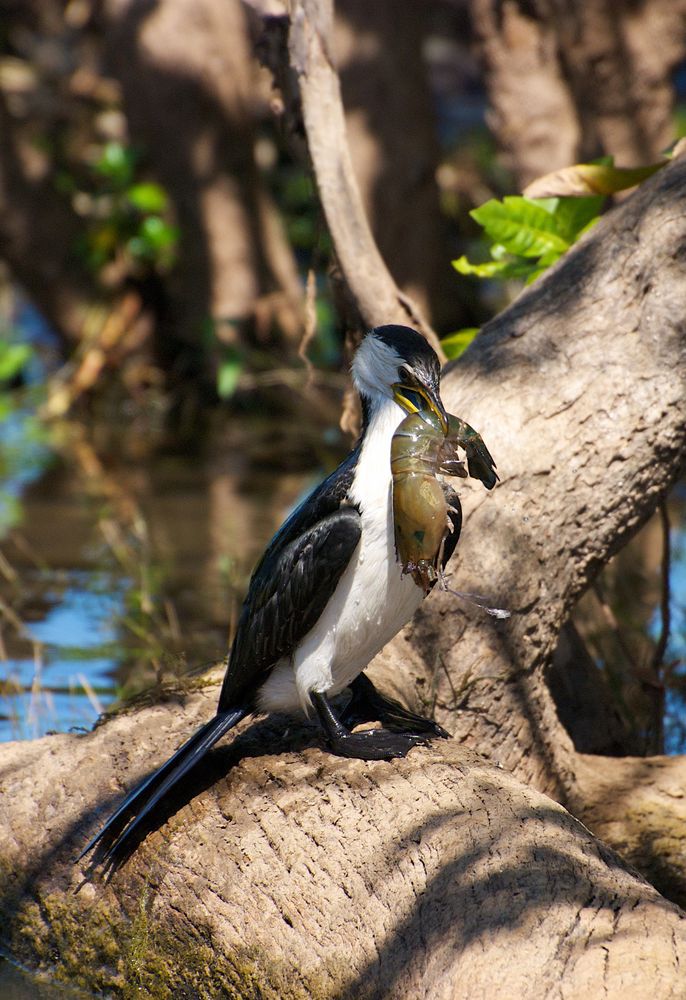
(174, 334)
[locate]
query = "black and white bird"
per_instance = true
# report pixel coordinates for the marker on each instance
(327, 595)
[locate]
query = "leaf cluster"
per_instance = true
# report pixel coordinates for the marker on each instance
(528, 235)
(128, 217)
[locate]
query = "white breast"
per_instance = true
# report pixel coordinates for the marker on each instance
(373, 599)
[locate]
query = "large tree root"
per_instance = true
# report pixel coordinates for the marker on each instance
(297, 874)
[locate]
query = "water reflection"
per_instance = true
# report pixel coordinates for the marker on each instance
(128, 564)
(675, 692)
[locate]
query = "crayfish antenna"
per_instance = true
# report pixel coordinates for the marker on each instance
(477, 599)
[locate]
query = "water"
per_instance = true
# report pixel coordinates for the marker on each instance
(675, 689)
(120, 568)
(67, 681)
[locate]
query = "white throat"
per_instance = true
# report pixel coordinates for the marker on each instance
(372, 482)
(375, 369)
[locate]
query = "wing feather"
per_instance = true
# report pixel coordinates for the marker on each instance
(287, 595)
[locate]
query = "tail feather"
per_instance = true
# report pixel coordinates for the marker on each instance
(118, 833)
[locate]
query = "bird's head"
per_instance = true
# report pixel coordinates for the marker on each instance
(396, 362)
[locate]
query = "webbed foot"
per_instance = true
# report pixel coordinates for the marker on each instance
(370, 744)
(369, 705)
(375, 744)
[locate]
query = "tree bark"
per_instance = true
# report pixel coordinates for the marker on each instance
(191, 95)
(568, 82)
(302, 875)
(292, 873)
(580, 391)
(531, 112)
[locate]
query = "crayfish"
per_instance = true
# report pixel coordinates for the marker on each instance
(425, 510)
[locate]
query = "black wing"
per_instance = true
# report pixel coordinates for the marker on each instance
(288, 592)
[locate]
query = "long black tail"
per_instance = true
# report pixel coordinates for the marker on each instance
(117, 838)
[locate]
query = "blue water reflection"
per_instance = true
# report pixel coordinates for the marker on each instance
(675, 692)
(68, 680)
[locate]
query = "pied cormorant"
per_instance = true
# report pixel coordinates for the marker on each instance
(326, 596)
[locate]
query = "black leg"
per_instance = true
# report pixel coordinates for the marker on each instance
(371, 744)
(368, 705)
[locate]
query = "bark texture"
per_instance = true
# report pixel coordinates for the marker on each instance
(292, 873)
(569, 81)
(300, 875)
(580, 391)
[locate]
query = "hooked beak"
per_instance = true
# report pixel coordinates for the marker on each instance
(414, 400)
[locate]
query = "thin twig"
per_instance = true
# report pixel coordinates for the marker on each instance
(90, 693)
(310, 46)
(7, 570)
(310, 325)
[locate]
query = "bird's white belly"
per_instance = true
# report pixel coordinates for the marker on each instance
(371, 603)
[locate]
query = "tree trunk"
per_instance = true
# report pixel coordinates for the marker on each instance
(292, 873)
(299, 875)
(531, 112)
(568, 82)
(65, 303)
(580, 391)
(191, 94)
(375, 298)
(394, 146)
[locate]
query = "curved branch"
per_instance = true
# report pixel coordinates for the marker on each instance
(580, 391)
(375, 293)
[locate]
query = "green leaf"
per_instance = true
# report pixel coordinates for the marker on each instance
(147, 197)
(500, 269)
(154, 239)
(589, 225)
(116, 163)
(454, 344)
(525, 228)
(574, 214)
(13, 358)
(230, 371)
(158, 233)
(491, 269)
